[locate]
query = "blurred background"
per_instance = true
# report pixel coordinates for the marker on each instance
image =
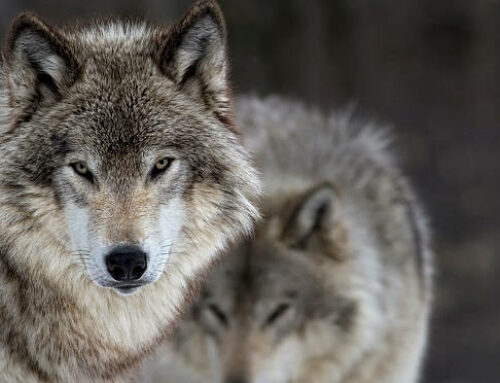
(429, 68)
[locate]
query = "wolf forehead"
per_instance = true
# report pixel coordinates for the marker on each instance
(120, 93)
(258, 268)
(120, 101)
(120, 127)
(115, 120)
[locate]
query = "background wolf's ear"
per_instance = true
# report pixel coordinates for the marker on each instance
(40, 65)
(193, 54)
(313, 214)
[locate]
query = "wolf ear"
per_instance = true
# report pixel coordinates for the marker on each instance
(193, 55)
(40, 65)
(314, 213)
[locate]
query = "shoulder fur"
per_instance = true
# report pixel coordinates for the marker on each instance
(279, 130)
(296, 146)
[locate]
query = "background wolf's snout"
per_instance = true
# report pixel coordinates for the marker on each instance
(126, 263)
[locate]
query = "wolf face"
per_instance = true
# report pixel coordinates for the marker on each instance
(268, 314)
(118, 140)
(123, 230)
(254, 337)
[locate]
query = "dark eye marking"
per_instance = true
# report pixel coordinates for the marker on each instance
(82, 170)
(219, 314)
(160, 167)
(277, 313)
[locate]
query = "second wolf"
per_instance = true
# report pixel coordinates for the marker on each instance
(335, 286)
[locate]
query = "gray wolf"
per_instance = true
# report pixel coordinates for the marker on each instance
(122, 175)
(335, 287)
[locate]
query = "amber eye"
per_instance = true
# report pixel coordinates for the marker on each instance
(160, 167)
(82, 170)
(162, 164)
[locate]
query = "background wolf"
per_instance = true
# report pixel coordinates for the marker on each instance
(335, 286)
(119, 167)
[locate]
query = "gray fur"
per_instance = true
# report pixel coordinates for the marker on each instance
(354, 154)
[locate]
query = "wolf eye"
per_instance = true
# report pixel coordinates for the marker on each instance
(160, 167)
(219, 314)
(82, 170)
(277, 313)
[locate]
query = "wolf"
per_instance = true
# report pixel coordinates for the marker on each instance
(122, 176)
(335, 287)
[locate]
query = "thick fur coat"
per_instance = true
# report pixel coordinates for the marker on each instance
(112, 134)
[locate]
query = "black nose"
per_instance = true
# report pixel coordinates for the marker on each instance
(126, 263)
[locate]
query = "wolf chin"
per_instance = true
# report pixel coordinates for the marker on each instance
(121, 177)
(336, 285)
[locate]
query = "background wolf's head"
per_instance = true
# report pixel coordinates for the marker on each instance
(118, 144)
(283, 307)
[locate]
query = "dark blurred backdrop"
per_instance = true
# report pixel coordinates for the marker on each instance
(430, 68)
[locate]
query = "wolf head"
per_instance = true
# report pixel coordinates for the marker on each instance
(280, 307)
(117, 142)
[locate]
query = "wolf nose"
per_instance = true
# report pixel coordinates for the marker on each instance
(126, 263)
